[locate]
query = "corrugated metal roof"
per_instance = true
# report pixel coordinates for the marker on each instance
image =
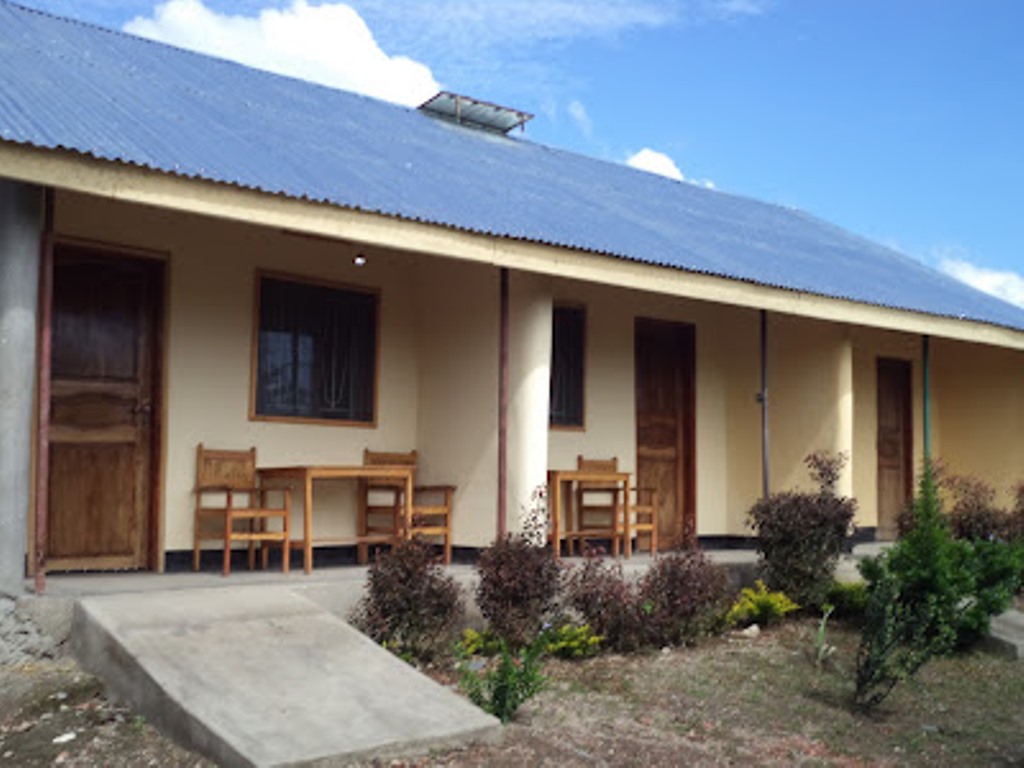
(66, 84)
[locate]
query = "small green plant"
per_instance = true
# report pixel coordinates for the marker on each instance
(758, 605)
(509, 681)
(474, 643)
(410, 605)
(572, 641)
(823, 649)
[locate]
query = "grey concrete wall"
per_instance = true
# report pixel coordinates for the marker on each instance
(20, 233)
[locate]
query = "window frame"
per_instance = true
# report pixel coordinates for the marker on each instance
(581, 426)
(254, 414)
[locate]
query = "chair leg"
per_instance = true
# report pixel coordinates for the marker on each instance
(227, 545)
(448, 548)
(362, 554)
(195, 546)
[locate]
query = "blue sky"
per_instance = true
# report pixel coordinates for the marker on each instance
(900, 120)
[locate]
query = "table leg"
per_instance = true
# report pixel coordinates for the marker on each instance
(555, 492)
(627, 544)
(407, 512)
(307, 525)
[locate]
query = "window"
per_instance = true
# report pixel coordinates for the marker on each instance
(567, 367)
(316, 352)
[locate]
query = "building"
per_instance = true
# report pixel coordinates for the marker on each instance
(315, 273)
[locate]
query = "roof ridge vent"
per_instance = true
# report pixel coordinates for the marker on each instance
(475, 113)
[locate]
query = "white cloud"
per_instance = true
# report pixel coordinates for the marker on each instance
(328, 44)
(1005, 284)
(503, 22)
(579, 115)
(731, 8)
(658, 162)
(655, 162)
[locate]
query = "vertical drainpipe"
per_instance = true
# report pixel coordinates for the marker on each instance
(926, 375)
(762, 398)
(503, 399)
(42, 507)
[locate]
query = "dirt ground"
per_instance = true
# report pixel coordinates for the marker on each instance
(731, 701)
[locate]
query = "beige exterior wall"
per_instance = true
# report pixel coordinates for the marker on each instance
(978, 409)
(808, 391)
(438, 374)
(208, 342)
(868, 346)
(457, 418)
(728, 442)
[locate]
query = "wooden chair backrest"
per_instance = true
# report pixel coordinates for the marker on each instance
(597, 465)
(225, 469)
(389, 458)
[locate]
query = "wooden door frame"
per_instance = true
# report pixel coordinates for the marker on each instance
(686, 460)
(157, 262)
(906, 368)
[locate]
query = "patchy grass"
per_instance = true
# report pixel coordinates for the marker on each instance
(762, 701)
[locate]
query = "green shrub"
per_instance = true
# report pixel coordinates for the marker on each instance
(410, 604)
(518, 588)
(928, 595)
(572, 641)
(800, 536)
(475, 643)
(757, 605)
(503, 686)
(683, 595)
(608, 603)
(848, 600)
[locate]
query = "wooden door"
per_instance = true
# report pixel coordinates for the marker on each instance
(895, 442)
(665, 403)
(103, 399)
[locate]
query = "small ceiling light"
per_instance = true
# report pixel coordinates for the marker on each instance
(359, 260)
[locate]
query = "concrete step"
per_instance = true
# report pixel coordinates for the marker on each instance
(264, 676)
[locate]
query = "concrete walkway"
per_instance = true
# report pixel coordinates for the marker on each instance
(265, 676)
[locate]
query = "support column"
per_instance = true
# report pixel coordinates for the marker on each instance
(926, 397)
(845, 416)
(20, 247)
(530, 307)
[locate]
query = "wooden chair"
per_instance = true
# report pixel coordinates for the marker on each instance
(598, 507)
(434, 520)
(227, 492)
(645, 518)
(381, 503)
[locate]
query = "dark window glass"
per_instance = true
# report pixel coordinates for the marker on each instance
(567, 367)
(317, 352)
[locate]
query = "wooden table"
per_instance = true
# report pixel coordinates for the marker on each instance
(306, 474)
(557, 478)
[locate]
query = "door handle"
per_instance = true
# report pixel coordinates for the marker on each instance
(142, 408)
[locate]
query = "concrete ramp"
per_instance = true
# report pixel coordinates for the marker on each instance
(263, 676)
(1006, 635)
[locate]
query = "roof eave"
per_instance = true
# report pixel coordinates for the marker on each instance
(73, 171)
